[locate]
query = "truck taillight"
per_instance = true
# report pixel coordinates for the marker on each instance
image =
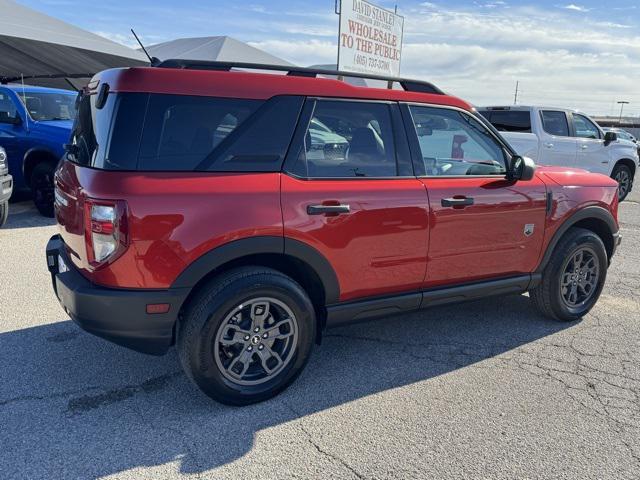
(106, 232)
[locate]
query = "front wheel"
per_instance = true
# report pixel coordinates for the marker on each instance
(622, 175)
(42, 188)
(574, 277)
(247, 335)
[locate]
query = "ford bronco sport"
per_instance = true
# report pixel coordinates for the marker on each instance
(198, 207)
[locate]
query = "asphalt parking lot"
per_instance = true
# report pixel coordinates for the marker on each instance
(481, 390)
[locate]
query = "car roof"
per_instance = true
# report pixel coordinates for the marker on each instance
(17, 87)
(251, 85)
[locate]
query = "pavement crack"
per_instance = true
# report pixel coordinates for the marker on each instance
(90, 402)
(321, 450)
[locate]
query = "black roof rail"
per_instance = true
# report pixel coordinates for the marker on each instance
(406, 84)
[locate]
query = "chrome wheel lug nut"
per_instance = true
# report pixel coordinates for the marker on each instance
(265, 335)
(246, 337)
(260, 347)
(257, 329)
(249, 348)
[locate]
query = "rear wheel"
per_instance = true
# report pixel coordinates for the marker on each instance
(622, 174)
(4, 213)
(42, 188)
(574, 278)
(246, 335)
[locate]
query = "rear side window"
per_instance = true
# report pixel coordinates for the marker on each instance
(555, 123)
(348, 139)
(153, 132)
(509, 120)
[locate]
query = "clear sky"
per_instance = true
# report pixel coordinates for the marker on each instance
(582, 55)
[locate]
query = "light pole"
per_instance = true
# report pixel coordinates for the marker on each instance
(622, 103)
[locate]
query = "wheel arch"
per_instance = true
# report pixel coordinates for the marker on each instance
(596, 219)
(33, 157)
(627, 162)
(298, 260)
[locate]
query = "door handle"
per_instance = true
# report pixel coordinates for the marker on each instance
(584, 147)
(548, 145)
(324, 209)
(456, 202)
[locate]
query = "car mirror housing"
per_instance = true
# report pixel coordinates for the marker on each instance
(521, 168)
(610, 137)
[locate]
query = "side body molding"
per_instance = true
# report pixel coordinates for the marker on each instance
(591, 212)
(262, 245)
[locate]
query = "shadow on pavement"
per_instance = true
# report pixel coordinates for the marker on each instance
(24, 215)
(76, 406)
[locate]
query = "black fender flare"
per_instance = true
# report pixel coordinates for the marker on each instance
(38, 150)
(590, 212)
(237, 249)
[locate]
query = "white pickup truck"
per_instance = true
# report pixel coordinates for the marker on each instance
(557, 136)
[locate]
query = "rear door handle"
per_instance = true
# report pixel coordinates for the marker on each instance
(456, 202)
(324, 209)
(584, 147)
(548, 145)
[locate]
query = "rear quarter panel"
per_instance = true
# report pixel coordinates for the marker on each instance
(174, 218)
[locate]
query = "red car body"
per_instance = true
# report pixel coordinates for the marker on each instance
(398, 249)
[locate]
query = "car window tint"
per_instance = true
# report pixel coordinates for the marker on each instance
(555, 123)
(7, 108)
(348, 139)
(181, 131)
(509, 120)
(453, 143)
(585, 128)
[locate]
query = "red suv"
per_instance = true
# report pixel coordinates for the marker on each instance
(238, 214)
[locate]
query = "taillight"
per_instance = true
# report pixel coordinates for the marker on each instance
(106, 232)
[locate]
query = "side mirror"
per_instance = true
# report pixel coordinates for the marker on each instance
(522, 168)
(610, 137)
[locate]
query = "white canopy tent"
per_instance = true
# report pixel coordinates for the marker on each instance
(220, 48)
(49, 52)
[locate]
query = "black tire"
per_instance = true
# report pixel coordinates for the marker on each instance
(622, 174)
(208, 313)
(42, 188)
(549, 296)
(4, 213)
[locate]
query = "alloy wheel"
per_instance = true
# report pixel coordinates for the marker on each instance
(256, 341)
(624, 182)
(580, 277)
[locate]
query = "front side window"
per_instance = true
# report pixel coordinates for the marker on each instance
(585, 128)
(348, 139)
(45, 107)
(454, 143)
(555, 123)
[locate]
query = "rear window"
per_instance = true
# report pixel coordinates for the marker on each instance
(154, 132)
(509, 120)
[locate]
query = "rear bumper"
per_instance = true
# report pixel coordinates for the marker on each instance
(6, 187)
(119, 316)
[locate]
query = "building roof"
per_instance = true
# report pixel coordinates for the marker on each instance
(221, 48)
(32, 43)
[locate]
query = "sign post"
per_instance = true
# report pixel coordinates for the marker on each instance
(369, 39)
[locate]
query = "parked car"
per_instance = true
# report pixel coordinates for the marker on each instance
(241, 249)
(624, 136)
(35, 123)
(6, 187)
(556, 136)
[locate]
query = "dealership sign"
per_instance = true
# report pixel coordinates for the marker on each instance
(370, 39)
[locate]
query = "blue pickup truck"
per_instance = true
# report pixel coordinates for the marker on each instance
(35, 123)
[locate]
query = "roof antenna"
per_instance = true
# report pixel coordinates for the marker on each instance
(26, 109)
(154, 61)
